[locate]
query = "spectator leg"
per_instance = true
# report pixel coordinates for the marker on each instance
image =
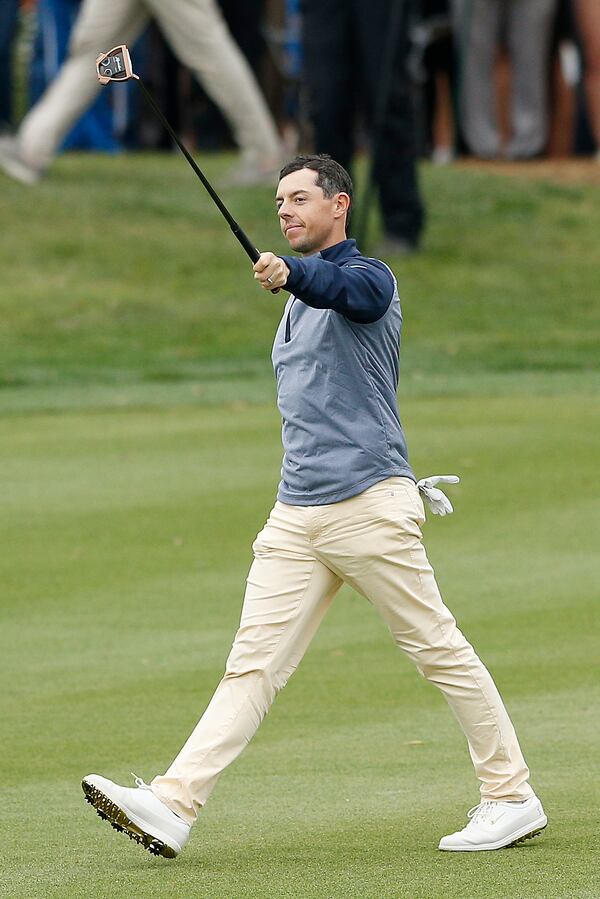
(330, 73)
(588, 22)
(9, 11)
(530, 24)
(394, 162)
(201, 40)
(477, 30)
(101, 25)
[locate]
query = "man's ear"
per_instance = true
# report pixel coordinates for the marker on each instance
(342, 205)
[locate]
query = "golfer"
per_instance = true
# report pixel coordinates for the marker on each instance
(348, 510)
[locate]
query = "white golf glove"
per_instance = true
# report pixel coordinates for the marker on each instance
(437, 501)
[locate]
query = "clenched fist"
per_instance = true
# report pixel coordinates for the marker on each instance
(270, 271)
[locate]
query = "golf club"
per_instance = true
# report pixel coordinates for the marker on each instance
(116, 66)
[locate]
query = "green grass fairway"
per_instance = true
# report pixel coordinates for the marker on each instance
(139, 454)
(126, 542)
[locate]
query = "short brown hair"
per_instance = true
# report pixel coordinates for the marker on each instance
(332, 177)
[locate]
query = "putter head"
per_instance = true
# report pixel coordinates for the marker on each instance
(115, 65)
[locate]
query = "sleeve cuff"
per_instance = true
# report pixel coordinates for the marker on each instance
(295, 276)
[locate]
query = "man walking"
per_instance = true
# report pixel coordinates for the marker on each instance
(348, 510)
(200, 39)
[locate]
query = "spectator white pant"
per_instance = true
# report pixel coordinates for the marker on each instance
(201, 40)
(301, 558)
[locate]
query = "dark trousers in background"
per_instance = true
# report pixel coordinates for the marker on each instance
(344, 45)
(9, 13)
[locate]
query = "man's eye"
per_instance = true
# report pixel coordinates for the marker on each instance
(300, 199)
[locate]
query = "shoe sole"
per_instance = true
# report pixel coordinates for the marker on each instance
(536, 830)
(528, 836)
(119, 821)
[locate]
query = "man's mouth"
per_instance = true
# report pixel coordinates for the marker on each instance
(291, 228)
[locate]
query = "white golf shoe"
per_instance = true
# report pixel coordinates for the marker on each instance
(494, 825)
(138, 813)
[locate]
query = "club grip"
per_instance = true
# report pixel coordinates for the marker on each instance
(249, 247)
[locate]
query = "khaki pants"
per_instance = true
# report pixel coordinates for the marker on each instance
(302, 556)
(200, 38)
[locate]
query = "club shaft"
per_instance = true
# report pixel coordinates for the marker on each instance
(236, 229)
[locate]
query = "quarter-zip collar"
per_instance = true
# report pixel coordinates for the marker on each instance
(341, 250)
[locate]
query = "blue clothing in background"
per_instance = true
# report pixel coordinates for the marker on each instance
(97, 128)
(292, 58)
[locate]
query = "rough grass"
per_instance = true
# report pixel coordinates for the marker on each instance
(121, 270)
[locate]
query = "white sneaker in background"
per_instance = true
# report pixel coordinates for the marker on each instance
(13, 163)
(138, 813)
(247, 173)
(442, 155)
(495, 825)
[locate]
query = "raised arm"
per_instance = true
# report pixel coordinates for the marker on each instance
(361, 289)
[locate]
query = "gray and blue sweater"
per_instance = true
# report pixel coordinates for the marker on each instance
(336, 359)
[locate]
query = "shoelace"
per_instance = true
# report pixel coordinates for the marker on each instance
(482, 812)
(140, 783)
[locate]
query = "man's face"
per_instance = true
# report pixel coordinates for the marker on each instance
(309, 220)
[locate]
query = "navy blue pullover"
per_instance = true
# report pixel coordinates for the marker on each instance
(336, 362)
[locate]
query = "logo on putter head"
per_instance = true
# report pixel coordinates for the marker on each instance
(115, 65)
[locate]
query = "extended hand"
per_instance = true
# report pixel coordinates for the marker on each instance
(270, 271)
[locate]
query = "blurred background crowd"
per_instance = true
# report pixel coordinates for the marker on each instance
(479, 70)
(410, 79)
